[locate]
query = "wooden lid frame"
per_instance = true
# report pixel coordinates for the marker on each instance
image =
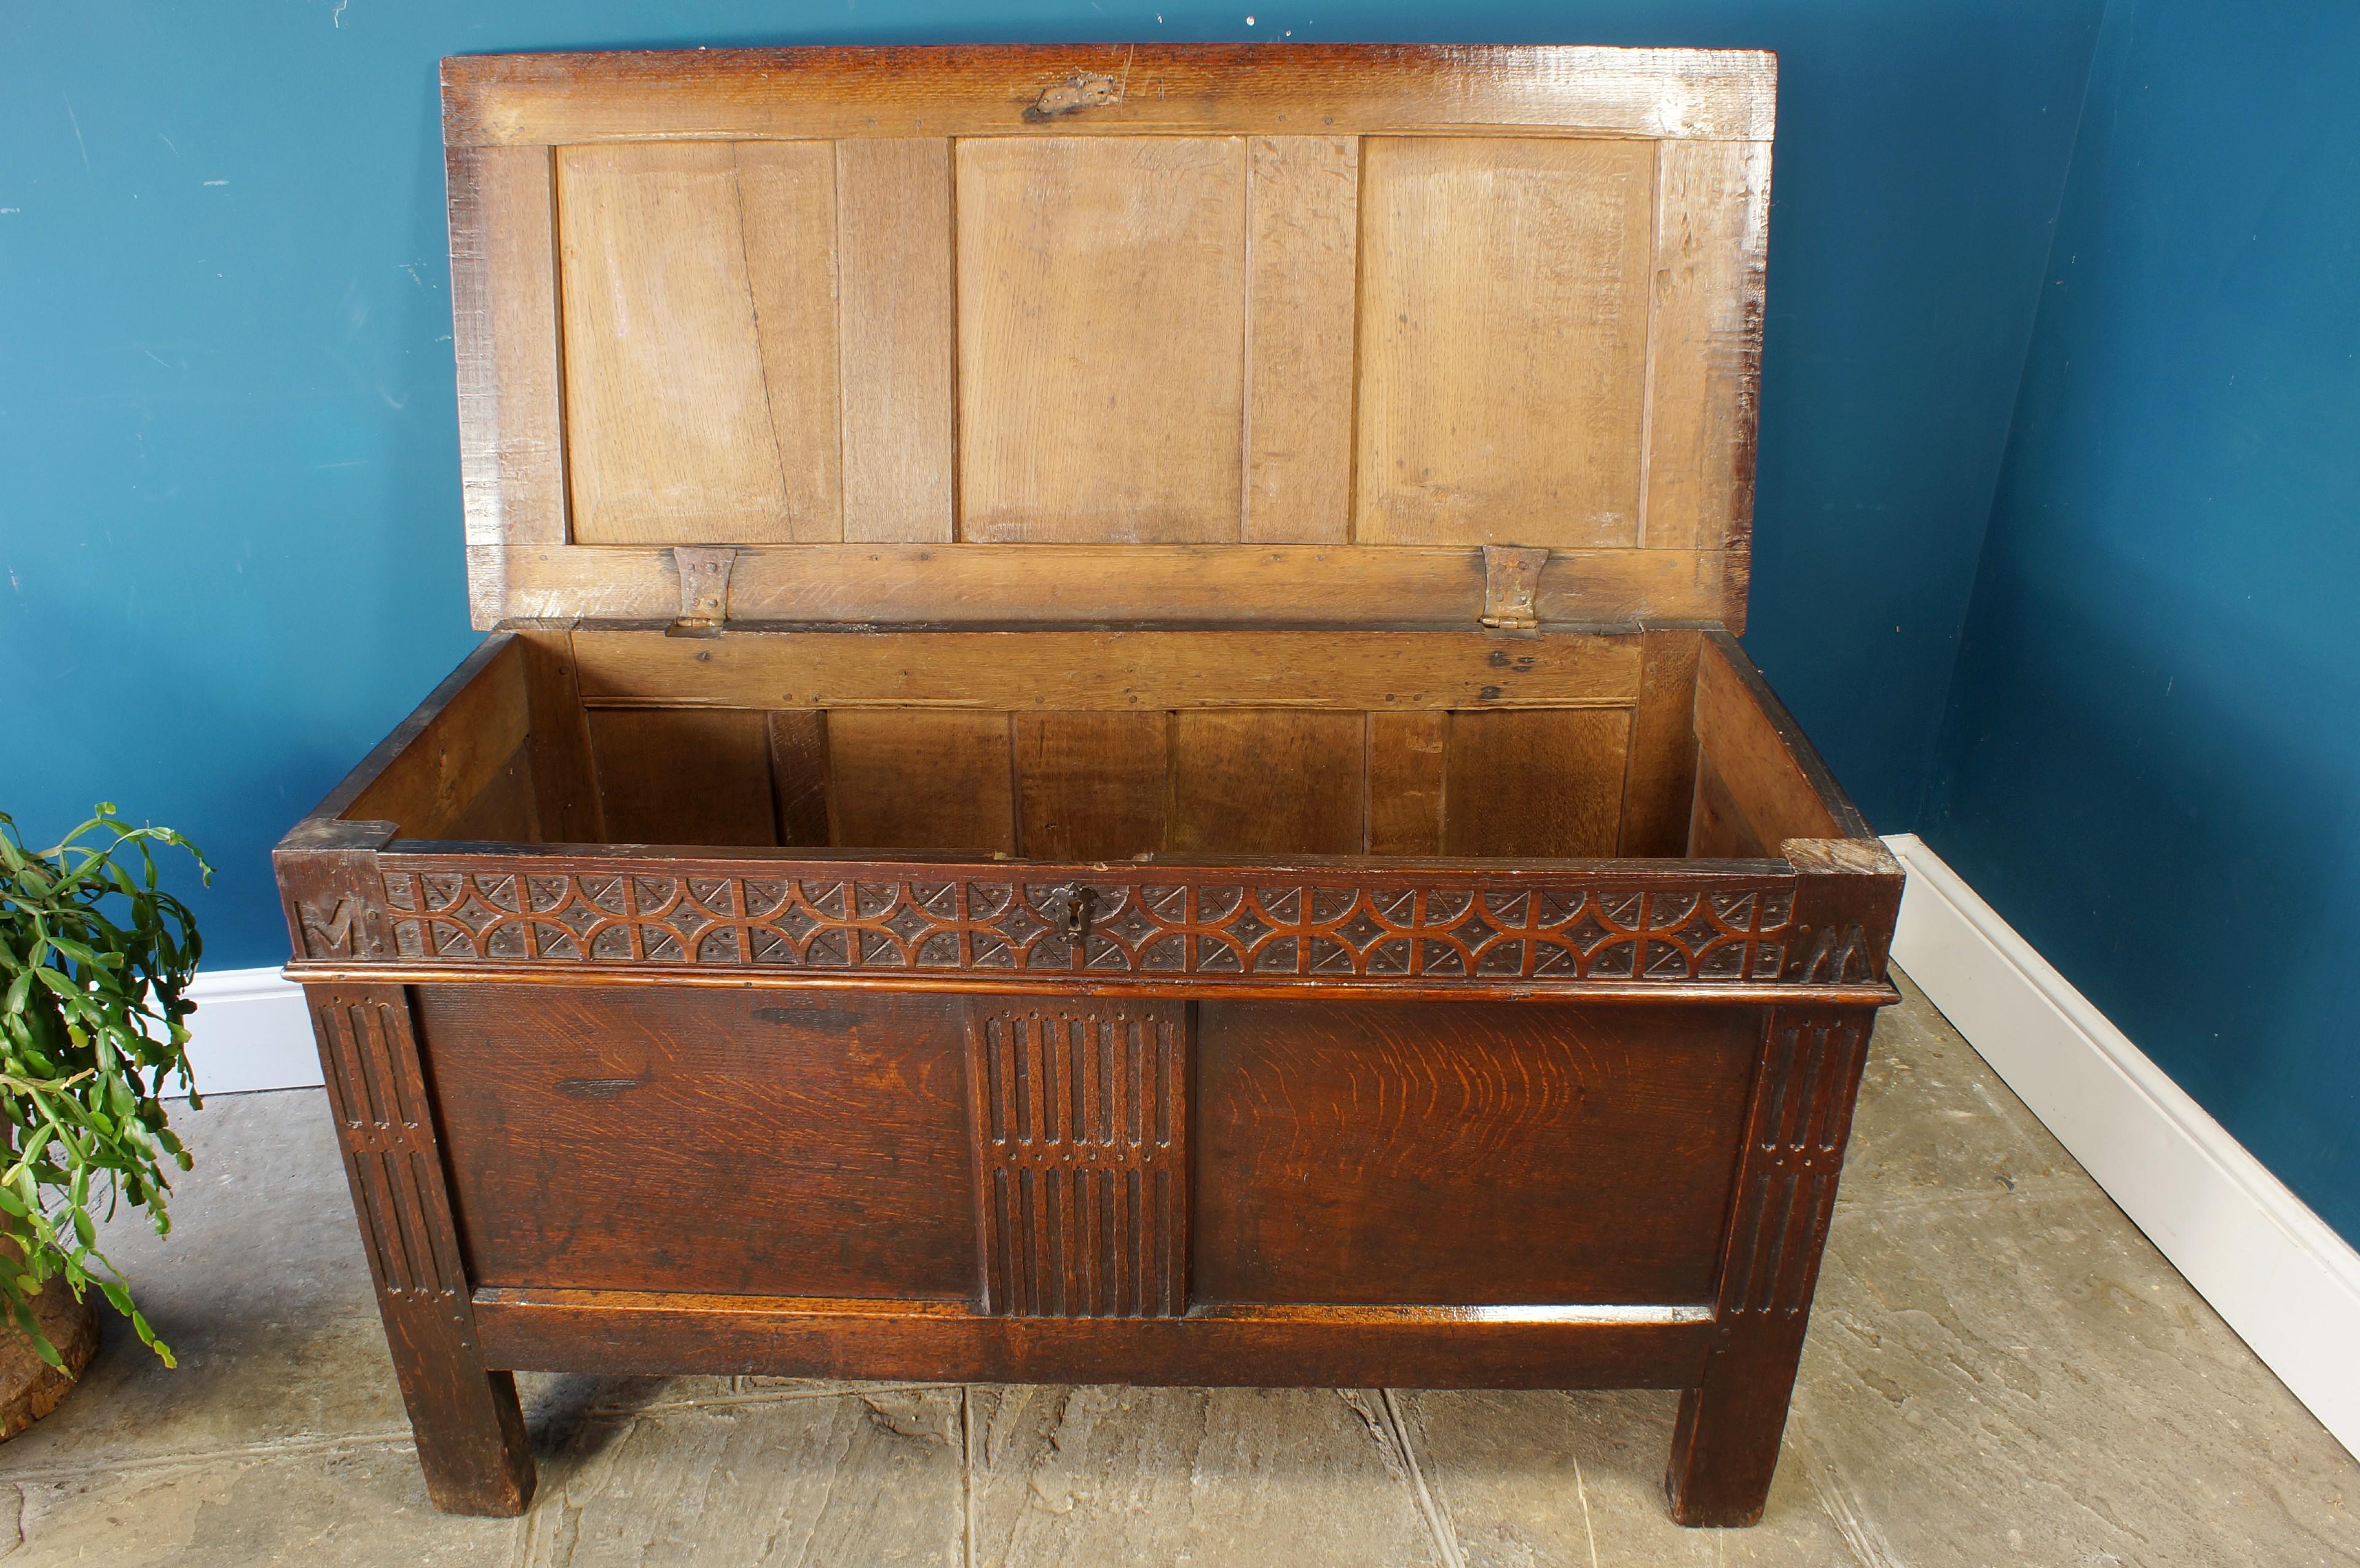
(1267, 334)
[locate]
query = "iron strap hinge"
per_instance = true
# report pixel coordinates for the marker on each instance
(1512, 581)
(704, 589)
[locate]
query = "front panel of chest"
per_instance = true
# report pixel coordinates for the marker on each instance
(1076, 1157)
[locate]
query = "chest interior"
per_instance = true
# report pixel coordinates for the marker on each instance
(1103, 746)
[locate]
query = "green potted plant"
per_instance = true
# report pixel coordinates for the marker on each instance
(95, 962)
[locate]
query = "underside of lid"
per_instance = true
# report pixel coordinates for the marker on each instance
(1225, 334)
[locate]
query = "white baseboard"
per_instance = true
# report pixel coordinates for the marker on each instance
(250, 1031)
(2287, 1283)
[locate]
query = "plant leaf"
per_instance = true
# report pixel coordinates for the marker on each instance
(97, 958)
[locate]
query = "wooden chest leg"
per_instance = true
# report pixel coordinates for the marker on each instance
(470, 1430)
(1725, 1447)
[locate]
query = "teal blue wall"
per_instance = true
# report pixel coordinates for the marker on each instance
(229, 499)
(2152, 764)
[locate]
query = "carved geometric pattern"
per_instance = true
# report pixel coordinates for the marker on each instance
(1802, 1116)
(1169, 921)
(1080, 1119)
(386, 1130)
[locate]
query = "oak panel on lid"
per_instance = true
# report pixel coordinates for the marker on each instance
(1101, 308)
(1503, 331)
(1008, 336)
(893, 278)
(699, 298)
(1302, 195)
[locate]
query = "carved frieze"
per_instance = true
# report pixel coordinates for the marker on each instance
(1193, 923)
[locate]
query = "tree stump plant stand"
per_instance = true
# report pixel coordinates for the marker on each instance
(30, 1387)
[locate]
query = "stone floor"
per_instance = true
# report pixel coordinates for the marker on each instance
(2000, 1370)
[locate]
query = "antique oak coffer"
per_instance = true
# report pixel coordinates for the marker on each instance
(1112, 750)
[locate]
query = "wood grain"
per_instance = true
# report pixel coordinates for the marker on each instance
(1364, 1153)
(787, 224)
(1302, 250)
(1797, 745)
(683, 776)
(700, 341)
(504, 334)
(1406, 782)
(1717, 826)
(1504, 321)
(1091, 785)
(1267, 781)
(1101, 299)
(1704, 355)
(894, 265)
(1104, 484)
(656, 1332)
(1134, 584)
(387, 754)
(1134, 670)
(1661, 778)
(847, 1173)
(1149, 329)
(457, 750)
(1542, 782)
(1160, 88)
(564, 781)
(1286, 927)
(798, 775)
(1766, 781)
(908, 778)
(504, 809)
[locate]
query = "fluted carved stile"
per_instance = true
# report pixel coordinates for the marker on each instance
(469, 1427)
(1725, 1441)
(1081, 1129)
(386, 1130)
(1802, 1116)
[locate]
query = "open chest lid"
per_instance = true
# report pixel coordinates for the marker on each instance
(1237, 335)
